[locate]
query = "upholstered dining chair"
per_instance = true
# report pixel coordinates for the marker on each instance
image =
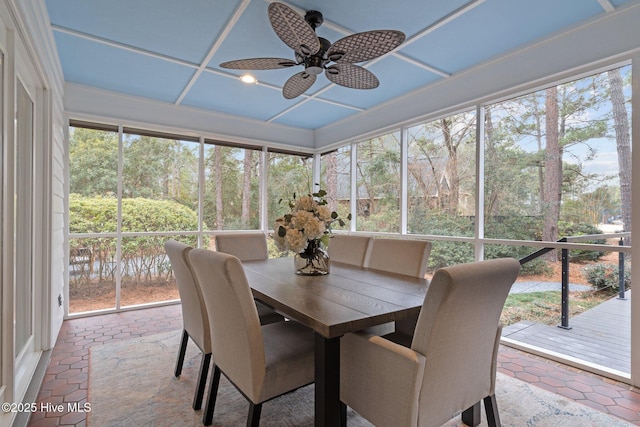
(402, 256)
(194, 315)
(262, 362)
(451, 363)
(348, 248)
(249, 247)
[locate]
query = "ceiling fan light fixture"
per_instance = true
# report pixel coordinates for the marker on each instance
(304, 49)
(336, 56)
(248, 79)
(314, 65)
(333, 70)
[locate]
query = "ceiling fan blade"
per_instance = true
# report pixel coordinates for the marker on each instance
(298, 84)
(352, 76)
(259, 64)
(293, 30)
(361, 47)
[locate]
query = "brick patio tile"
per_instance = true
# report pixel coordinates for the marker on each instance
(525, 376)
(45, 422)
(70, 360)
(612, 392)
(67, 373)
(73, 418)
(562, 375)
(53, 399)
(598, 398)
(80, 364)
(79, 378)
(76, 396)
(64, 389)
(553, 382)
(631, 394)
(570, 393)
(576, 385)
(588, 379)
(43, 394)
(631, 404)
(53, 384)
(625, 414)
(513, 367)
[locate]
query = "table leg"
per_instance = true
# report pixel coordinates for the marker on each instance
(327, 387)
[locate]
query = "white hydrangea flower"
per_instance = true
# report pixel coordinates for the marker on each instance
(296, 241)
(305, 203)
(324, 213)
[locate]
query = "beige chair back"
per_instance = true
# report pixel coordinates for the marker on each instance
(236, 337)
(348, 249)
(400, 256)
(194, 311)
(456, 331)
(245, 246)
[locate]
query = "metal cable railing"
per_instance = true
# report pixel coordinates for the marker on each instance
(564, 323)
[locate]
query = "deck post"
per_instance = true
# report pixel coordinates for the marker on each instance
(621, 284)
(565, 290)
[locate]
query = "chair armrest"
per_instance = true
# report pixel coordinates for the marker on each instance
(381, 379)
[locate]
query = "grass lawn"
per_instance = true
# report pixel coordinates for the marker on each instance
(546, 307)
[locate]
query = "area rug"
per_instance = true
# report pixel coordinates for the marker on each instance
(131, 383)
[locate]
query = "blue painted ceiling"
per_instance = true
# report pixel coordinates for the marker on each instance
(170, 50)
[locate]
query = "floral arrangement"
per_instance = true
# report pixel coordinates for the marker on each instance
(306, 228)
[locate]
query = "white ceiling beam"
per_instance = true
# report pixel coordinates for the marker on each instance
(216, 45)
(607, 5)
(122, 46)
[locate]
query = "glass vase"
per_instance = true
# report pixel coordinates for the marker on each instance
(314, 261)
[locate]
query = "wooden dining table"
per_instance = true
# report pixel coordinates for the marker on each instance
(348, 299)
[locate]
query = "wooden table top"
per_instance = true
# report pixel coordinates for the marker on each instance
(348, 299)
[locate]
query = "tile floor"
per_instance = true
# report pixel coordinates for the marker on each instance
(66, 378)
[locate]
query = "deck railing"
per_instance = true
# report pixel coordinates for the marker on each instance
(564, 321)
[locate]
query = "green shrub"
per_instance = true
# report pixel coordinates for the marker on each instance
(603, 275)
(569, 229)
(142, 257)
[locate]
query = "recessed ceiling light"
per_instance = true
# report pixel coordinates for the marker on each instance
(248, 78)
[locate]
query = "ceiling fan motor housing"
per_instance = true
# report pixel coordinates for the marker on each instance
(314, 18)
(315, 64)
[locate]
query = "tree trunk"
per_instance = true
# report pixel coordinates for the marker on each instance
(491, 192)
(552, 194)
(246, 187)
(623, 142)
(331, 173)
(452, 168)
(217, 173)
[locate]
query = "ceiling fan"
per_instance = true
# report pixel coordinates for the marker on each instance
(317, 54)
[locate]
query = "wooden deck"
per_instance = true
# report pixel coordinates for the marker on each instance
(600, 336)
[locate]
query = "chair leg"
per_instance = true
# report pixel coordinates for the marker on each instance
(202, 381)
(343, 414)
(253, 420)
(207, 418)
(181, 352)
(471, 416)
(491, 408)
